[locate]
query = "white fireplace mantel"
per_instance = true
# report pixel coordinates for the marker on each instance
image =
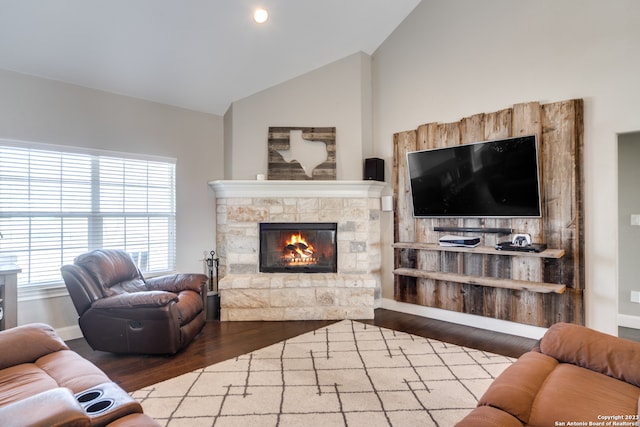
(266, 188)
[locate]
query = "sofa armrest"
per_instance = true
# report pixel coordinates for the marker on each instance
(55, 407)
(136, 300)
(514, 390)
(27, 343)
(599, 352)
(177, 283)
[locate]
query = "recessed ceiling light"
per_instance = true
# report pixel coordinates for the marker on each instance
(260, 16)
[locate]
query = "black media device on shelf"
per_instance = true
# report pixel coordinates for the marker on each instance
(531, 247)
(490, 179)
(374, 169)
(522, 243)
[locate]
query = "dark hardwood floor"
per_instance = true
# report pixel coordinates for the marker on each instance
(220, 341)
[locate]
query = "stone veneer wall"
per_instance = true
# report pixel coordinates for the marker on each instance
(247, 294)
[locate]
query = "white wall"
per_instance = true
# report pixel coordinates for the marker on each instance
(338, 94)
(454, 58)
(45, 111)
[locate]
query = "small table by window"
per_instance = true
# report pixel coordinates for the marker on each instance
(9, 295)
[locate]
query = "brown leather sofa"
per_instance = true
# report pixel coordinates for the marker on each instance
(575, 376)
(43, 383)
(122, 312)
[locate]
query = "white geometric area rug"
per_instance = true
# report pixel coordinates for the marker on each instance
(346, 374)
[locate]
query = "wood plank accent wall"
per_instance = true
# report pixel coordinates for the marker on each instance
(559, 127)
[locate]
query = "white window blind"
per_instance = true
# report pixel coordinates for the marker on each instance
(55, 205)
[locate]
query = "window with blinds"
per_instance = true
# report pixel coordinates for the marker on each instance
(55, 205)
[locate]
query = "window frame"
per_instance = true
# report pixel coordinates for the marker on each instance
(57, 288)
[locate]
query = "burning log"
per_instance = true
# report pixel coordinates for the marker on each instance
(298, 250)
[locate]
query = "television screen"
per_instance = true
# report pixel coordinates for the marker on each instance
(483, 179)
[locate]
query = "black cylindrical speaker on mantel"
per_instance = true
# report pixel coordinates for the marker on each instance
(374, 169)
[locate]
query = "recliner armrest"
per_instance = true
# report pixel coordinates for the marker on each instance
(177, 282)
(27, 343)
(136, 300)
(55, 407)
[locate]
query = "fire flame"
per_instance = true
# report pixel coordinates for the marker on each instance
(297, 249)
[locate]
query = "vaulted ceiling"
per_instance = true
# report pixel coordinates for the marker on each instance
(196, 54)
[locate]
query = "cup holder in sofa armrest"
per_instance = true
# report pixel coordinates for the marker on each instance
(99, 406)
(107, 402)
(88, 395)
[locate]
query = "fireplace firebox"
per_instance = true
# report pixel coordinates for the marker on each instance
(308, 247)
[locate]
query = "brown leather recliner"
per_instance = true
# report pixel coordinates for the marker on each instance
(121, 312)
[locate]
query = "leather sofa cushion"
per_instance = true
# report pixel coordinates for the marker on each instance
(21, 381)
(593, 350)
(108, 267)
(177, 282)
(571, 393)
(63, 368)
(136, 300)
(135, 285)
(71, 370)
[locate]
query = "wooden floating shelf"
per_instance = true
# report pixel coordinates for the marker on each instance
(522, 285)
(547, 253)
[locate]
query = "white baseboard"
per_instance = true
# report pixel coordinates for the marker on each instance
(377, 303)
(69, 332)
(481, 322)
(629, 321)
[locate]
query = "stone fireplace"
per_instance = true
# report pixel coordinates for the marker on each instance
(246, 209)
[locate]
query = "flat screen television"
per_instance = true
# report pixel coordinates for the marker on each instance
(489, 179)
